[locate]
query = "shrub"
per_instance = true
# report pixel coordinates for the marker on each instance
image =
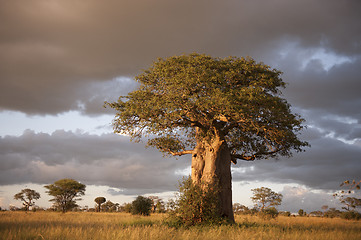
(142, 206)
(285, 213)
(195, 204)
(269, 213)
(351, 215)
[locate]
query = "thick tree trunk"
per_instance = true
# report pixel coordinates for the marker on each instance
(211, 163)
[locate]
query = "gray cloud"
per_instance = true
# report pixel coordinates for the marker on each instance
(51, 51)
(295, 198)
(325, 165)
(108, 159)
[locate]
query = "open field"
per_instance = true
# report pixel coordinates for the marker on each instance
(51, 225)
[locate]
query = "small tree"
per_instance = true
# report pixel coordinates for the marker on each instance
(240, 209)
(127, 207)
(109, 206)
(142, 206)
(264, 197)
(324, 208)
(99, 201)
(27, 196)
(301, 213)
(64, 192)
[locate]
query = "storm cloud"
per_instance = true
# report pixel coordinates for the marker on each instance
(54, 49)
(108, 159)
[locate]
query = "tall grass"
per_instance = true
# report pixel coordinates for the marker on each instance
(50, 225)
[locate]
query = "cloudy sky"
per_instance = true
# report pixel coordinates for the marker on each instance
(61, 59)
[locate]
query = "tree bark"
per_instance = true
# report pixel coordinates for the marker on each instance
(211, 163)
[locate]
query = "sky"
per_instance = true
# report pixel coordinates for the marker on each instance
(61, 59)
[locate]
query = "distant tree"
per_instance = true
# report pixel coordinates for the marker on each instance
(142, 206)
(301, 213)
(27, 196)
(264, 197)
(240, 209)
(324, 207)
(218, 110)
(109, 206)
(99, 201)
(268, 213)
(65, 192)
(316, 213)
(332, 212)
(155, 200)
(285, 213)
(126, 207)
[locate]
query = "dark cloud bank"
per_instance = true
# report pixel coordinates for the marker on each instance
(57, 56)
(108, 159)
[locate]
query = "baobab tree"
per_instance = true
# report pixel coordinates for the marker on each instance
(217, 110)
(100, 201)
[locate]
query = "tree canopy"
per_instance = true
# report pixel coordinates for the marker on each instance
(100, 201)
(65, 192)
(27, 196)
(142, 206)
(217, 109)
(265, 197)
(236, 98)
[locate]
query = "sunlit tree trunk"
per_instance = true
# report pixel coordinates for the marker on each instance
(211, 163)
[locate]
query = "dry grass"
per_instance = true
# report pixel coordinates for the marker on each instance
(50, 225)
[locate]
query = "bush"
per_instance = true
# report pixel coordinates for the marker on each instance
(351, 215)
(269, 213)
(285, 213)
(141, 206)
(195, 204)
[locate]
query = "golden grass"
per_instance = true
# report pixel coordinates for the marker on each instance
(50, 225)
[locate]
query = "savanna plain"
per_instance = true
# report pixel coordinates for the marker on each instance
(85, 225)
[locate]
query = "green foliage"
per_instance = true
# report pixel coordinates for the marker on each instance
(351, 215)
(316, 213)
(264, 197)
(65, 192)
(109, 206)
(127, 207)
(141, 206)
(195, 204)
(236, 97)
(301, 213)
(269, 213)
(285, 213)
(332, 213)
(27, 196)
(240, 209)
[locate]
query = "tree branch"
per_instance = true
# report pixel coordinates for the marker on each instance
(180, 153)
(253, 157)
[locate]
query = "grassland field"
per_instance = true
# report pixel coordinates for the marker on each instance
(84, 225)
